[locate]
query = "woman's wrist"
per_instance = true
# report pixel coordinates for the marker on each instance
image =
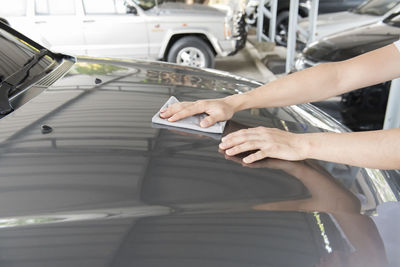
(304, 144)
(238, 102)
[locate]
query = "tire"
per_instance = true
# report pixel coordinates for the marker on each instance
(282, 27)
(191, 51)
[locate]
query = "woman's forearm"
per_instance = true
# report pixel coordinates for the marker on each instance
(374, 149)
(317, 83)
(323, 81)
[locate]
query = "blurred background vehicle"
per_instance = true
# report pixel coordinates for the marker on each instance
(368, 12)
(185, 34)
(365, 108)
(282, 19)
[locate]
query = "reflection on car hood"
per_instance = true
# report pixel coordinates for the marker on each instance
(352, 42)
(106, 187)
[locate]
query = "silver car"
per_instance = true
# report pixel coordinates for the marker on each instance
(144, 29)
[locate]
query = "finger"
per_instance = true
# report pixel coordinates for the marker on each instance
(208, 121)
(254, 157)
(236, 140)
(246, 146)
(172, 109)
(187, 111)
(237, 134)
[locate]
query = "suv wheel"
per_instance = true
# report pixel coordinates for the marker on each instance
(191, 51)
(282, 27)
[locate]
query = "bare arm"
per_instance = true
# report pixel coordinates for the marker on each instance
(374, 149)
(324, 80)
(313, 84)
(369, 149)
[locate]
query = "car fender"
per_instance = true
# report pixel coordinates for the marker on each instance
(171, 33)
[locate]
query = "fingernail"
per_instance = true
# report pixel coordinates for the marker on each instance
(229, 151)
(163, 110)
(222, 145)
(246, 160)
(223, 139)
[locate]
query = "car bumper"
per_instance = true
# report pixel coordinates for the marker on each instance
(302, 63)
(239, 32)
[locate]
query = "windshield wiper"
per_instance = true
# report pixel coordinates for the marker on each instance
(9, 84)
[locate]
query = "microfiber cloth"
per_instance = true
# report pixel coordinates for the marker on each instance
(192, 122)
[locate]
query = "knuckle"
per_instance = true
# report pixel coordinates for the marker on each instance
(262, 154)
(251, 143)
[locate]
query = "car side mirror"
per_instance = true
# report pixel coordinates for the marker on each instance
(131, 10)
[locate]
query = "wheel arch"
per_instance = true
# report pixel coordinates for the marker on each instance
(175, 37)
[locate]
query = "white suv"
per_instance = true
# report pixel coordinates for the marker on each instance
(185, 34)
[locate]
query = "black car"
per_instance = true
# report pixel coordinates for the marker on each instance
(87, 180)
(363, 109)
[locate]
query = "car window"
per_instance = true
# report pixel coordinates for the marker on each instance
(54, 7)
(376, 7)
(15, 53)
(15, 8)
(148, 4)
(105, 7)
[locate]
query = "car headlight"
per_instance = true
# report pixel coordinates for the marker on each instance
(228, 28)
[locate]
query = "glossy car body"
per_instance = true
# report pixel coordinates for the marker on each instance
(175, 32)
(369, 12)
(87, 180)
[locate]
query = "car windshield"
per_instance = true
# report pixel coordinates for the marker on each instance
(148, 4)
(376, 7)
(15, 53)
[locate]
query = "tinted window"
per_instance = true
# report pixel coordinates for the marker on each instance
(13, 8)
(105, 7)
(147, 4)
(376, 7)
(55, 7)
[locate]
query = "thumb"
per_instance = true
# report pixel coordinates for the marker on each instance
(208, 121)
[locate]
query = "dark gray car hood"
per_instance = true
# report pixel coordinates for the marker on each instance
(108, 188)
(352, 42)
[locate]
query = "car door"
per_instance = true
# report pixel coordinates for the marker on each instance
(60, 25)
(113, 29)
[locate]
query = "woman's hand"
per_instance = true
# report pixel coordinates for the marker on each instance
(267, 142)
(217, 110)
